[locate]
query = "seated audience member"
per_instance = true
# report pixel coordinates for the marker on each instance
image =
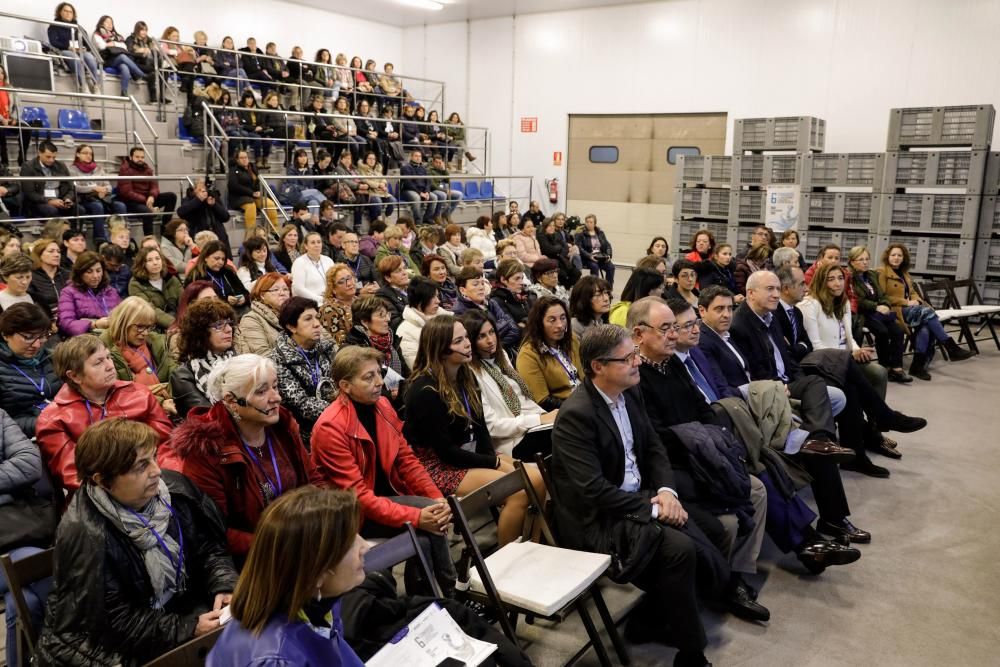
(94, 192)
(66, 40)
(423, 303)
(914, 314)
(287, 250)
(472, 257)
(369, 243)
(828, 254)
(758, 336)
(718, 270)
(472, 296)
(685, 275)
(205, 340)
(380, 200)
(28, 381)
(549, 358)
(761, 236)
(145, 547)
(142, 196)
(203, 210)
(426, 243)
(785, 256)
(658, 264)
(445, 423)
(452, 248)
(301, 190)
(756, 259)
(16, 273)
(259, 328)
(333, 244)
(526, 243)
(74, 244)
(509, 412)
(595, 250)
(790, 239)
(371, 328)
(545, 280)
(870, 309)
(441, 187)
(668, 336)
(255, 261)
(424, 203)
(48, 277)
(244, 451)
(244, 187)
(114, 50)
(409, 230)
(360, 447)
(501, 226)
(91, 392)
(610, 497)
(196, 291)
(251, 125)
(365, 278)
(211, 266)
(640, 284)
(702, 247)
(116, 267)
(10, 244)
(435, 268)
(395, 280)
(335, 311)
(152, 283)
(481, 238)
(46, 199)
(511, 292)
(659, 247)
(139, 353)
(589, 303)
(309, 271)
(554, 246)
(303, 357)
(88, 299)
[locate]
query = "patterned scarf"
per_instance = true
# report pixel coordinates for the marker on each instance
(500, 377)
(200, 368)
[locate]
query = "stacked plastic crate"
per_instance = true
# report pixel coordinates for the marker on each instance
(932, 187)
(701, 199)
(986, 269)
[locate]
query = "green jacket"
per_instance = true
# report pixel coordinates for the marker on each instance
(383, 252)
(165, 301)
(439, 179)
(157, 344)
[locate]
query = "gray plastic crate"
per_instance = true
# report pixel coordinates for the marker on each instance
(684, 230)
(849, 170)
(705, 170)
(989, 216)
(747, 207)
(970, 126)
(987, 264)
(990, 291)
(930, 214)
(934, 255)
(991, 183)
(800, 134)
(848, 210)
(935, 169)
(711, 203)
(811, 240)
(762, 170)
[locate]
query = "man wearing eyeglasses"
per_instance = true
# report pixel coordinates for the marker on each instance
(617, 495)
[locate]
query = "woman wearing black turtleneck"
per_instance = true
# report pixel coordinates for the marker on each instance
(211, 266)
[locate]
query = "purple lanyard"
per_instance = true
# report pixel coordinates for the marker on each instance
(571, 372)
(468, 411)
(40, 385)
(260, 467)
(90, 416)
(220, 283)
(179, 565)
(104, 306)
(315, 372)
(149, 362)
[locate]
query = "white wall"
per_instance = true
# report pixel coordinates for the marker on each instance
(284, 23)
(847, 61)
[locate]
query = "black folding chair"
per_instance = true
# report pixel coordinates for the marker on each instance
(399, 549)
(189, 654)
(948, 311)
(974, 302)
(19, 574)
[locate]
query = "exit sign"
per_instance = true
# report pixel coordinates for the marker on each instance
(529, 124)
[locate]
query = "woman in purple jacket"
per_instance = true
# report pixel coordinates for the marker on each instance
(306, 553)
(88, 299)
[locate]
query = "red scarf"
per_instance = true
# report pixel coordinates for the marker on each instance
(382, 343)
(87, 168)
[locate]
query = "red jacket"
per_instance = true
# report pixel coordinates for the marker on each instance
(345, 456)
(207, 449)
(136, 191)
(61, 424)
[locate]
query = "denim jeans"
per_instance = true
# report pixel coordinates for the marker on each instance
(452, 197)
(74, 64)
(422, 210)
(312, 198)
(386, 204)
(100, 208)
(932, 329)
(127, 70)
(240, 75)
(35, 595)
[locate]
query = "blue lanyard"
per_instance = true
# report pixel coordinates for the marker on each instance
(315, 372)
(150, 366)
(277, 488)
(90, 417)
(355, 266)
(574, 377)
(179, 565)
(220, 283)
(40, 385)
(104, 306)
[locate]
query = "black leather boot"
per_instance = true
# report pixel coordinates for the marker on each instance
(955, 353)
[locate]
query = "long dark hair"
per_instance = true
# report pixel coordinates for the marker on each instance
(83, 264)
(640, 284)
(579, 299)
(246, 257)
(200, 270)
(474, 321)
(435, 345)
(534, 330)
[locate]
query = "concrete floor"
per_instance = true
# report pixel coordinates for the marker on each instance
(925, 590)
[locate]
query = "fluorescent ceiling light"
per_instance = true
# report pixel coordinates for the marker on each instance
(429, 5)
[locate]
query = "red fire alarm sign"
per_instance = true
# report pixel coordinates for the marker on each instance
(557, 159)
(529, 124)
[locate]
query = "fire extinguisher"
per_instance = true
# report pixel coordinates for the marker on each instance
(553, 187)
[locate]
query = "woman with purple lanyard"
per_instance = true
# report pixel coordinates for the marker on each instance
(549, 359)
(212, 266)
(28, 380)
(88, 299)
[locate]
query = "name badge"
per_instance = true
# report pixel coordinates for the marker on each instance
(51, 193)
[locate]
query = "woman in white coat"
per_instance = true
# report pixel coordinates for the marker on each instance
(309, 270)
(423, 304)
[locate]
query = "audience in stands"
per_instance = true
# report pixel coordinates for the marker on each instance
(549, 358)
(28, 380)
(111, 46)
(828, 254)
(426, 243)
(143, 546)
(69, 42)
(790, 239)
(381, 201)
(528, 250)
(365, 276)
(595, 250)
(545, 277)
(685, 273)
(139, 353)
(93, 193)
(151, 282)
(46, 199)
(435, 268)
(473, 296)
(212, 266)
(298, 190)
(202, 210)
(87, 299)
(371, 328)
(288, 247)
(441, 187)
(259, 329)
(16, 273)
(871, 310)
(452, 248)
(116, 268)
(757, 258)
(423, 303)
(335, 312)
(310, 270)
(425, 203)
(141, 49)
(395, 280)
(481, 238)
(255, 261)
(589, 303)
(205, 340)
(647, 282)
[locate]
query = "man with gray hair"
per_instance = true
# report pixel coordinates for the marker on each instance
(617, 495)
(785, 256)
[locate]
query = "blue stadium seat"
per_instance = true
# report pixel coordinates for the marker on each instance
(77, 124)
(486, 191)
(182, 133)
(458, 186)
(38, 117)
(472, 190)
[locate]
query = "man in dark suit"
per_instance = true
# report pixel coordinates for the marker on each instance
(614, 492)
(793, 289)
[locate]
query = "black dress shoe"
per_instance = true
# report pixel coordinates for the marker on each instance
(690, 659)
(741, 604)
(900, 377)
(844, 528)
(885, 449)
(901, 423)
(818, 555)
(866, 467)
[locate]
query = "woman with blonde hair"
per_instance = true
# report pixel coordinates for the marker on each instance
(335, 313)
(139, 353)
(259, 329)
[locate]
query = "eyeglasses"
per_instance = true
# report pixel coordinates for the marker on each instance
(346, 280)
(277, 290)
(687, 275)
(761, 233)
(627, 359)
(600, 293)
(142, 328)
(689, 326)
(664, 330)
(351, 241)
(222, 325)
(30, 340)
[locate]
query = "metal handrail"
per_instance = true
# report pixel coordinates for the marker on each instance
(80, 31)
(326, 114)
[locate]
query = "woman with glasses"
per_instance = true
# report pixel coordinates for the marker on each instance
(685, 283)
(87, 301)
(152, 283)
(211, 266)
(335, 313)
(139, 353)
(16, 272)
(206, 338)
(303, 357)
(642, 283)
(589, 303)
(370, 317)
(259, 329)
(310, 271)
(549, 359)
(28, 380)
(91, 392)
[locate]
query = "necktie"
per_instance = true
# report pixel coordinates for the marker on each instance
(700, 380)
(795, 327)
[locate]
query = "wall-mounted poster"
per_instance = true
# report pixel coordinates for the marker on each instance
(782, 207)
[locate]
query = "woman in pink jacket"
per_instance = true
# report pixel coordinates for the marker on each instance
(528, 250)
(88, 299)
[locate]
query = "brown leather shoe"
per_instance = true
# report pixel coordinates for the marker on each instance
(830, 451)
